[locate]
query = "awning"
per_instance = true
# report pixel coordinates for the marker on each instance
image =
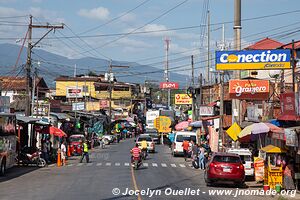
(288, 118)
(273, 149)
(54, 131)
(26, 119)
(212, 104)
(61, 116)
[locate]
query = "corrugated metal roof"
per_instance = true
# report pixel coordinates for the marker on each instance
(266, 43)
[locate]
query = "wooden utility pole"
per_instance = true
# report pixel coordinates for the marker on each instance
(293, 66)
(221, 133)
(28, 62)
(193, 93)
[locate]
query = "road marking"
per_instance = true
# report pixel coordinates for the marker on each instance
(154, 164)
(79, 164)
(182, 165)
(134, 183)
(145, 164)
(108, 164)
(70, 165)
(51, 165)
(89, 164)
(117, 164)
(173, 165)
(163, 164)
(99, 164)
(126, 164)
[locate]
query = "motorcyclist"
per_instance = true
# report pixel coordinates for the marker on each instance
(144, 147)
(135, 152)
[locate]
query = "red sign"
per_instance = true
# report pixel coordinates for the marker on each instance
(288, 104)
(249, 89)
(168, 85)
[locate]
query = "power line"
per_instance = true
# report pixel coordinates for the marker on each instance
(10, 17)
(116, 18)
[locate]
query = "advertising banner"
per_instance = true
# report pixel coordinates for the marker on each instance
(182, 99)
(169, 85)
(291, 137)
(73, 92)
(249, 89)
(288, 105)
(206, 111)
(253, 59)
(92, 106)
(259, 168)
(254, 113)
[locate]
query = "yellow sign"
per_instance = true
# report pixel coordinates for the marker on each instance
(233, 131)
(182, 99)
(162, 124)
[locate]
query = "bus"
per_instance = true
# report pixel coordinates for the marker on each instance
(8, 142)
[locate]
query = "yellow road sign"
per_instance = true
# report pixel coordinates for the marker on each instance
(162, 124)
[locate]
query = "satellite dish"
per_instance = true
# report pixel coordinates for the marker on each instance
(274, 73)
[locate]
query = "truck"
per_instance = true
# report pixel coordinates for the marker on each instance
(8, 142)
(151, 115)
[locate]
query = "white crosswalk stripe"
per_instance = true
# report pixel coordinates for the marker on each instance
(108, 164)
(99, 164)
(126, 164)
(70, 165)
(89, 164)
(182, 165)
(173, 165)
(79, 164)
(145, 164)
(117, 164)
(154, 165)
(163, 164)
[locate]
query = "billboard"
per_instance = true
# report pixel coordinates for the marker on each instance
(249, 89)
(74, 91)
(253, 59)
(183, 99)
(168, 85)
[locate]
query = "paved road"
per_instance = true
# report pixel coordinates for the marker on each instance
(161, 176)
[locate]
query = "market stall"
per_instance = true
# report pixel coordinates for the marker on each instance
(273, 172)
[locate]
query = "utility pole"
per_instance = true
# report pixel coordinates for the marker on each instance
(28, 62)
(192, 64)
(293, 66)
(193, 86)
(208, 49)
(236, 111)
(221, 134)
(167, 75)
(33, 91)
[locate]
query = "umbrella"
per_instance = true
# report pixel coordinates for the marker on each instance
(182, 125)
(273, 149)
(54, 131)
(258, 128)
(196, 124)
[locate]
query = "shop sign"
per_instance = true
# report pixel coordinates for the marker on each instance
(288, 105)
(168, 85)
(74, 92)
(291, 137)
(104, 104)
(183, 99)
(253, 59)
(92, 106)
(78, 106)
(41, 109)
(259, 169)
(162, 124)
(206, 111)
(254, 114)
(249, 89)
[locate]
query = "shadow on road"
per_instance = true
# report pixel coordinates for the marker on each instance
(17, 171)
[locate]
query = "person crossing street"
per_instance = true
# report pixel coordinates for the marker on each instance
(85, 152)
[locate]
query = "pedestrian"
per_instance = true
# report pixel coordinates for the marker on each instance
(186, 146)
(85, 152)
(289, 173)
(201, 157)
(194, 150)
(63, 152)
(45, 151)
(171, 137)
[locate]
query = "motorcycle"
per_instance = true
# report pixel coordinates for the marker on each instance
(137, 162)
(31, 156)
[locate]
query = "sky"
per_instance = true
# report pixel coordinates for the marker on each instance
(106, 28)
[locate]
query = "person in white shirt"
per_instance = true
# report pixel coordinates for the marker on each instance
(63, 150)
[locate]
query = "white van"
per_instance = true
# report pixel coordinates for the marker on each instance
(246, 156)
(180, 136)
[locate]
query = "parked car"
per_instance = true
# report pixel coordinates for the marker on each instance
(225, 167)
(76, 144)
(154, 135)
(246, 156)
(180, 136)
(149, 140)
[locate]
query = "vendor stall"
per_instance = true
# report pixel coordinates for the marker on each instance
(273, 173)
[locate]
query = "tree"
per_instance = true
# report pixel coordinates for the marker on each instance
(92, 73)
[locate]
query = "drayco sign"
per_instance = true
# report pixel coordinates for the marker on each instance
(168, 85)
(249, 89)
(253, 59)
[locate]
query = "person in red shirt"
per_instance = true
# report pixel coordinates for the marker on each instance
(185, 146)
(136, 152)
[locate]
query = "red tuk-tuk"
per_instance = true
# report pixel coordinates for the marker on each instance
(76, 144)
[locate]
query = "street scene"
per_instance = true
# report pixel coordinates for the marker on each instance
(149, 99)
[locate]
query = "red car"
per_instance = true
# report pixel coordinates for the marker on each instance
(75, 144)
(225, 167)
